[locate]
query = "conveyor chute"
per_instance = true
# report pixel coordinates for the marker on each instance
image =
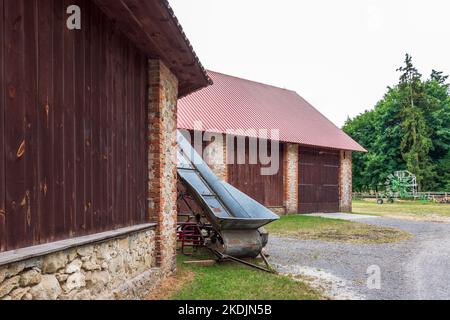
(237, 219)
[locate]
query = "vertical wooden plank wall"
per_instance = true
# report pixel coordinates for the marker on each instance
(318, 180)
(73, 157)
(267, 189)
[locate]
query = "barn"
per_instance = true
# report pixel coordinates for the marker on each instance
(311, 157)
(87, 130)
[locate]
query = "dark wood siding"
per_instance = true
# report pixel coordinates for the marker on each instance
(72, 124)
(2, 132)
(318, 180)
(266, 189)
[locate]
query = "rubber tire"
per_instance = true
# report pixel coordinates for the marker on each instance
(380, 201)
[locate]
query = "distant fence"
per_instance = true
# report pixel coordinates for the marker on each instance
(432, 196)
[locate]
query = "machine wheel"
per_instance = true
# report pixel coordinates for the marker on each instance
(390, 200)
(380, 201)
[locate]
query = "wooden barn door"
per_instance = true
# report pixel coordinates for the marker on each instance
(267, 190)
(318, 180)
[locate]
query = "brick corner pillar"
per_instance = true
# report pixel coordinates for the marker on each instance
(162, 174)
(291, 178)
(345, 181)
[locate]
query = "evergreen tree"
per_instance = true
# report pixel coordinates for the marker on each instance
(416, 143)
(408, 129)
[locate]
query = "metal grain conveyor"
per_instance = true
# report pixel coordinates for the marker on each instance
(236, 219)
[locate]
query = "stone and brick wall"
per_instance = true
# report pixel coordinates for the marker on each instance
(162, 159)
(345, 181)
(117, 268)
(291, 178)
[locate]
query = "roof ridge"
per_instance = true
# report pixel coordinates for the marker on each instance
(252, 81)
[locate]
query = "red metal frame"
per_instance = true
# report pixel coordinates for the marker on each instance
(189, 235)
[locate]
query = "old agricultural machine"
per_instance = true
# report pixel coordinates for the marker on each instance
(215, 215)
(399, 185)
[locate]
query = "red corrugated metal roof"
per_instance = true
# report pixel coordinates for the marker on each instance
(235, 103)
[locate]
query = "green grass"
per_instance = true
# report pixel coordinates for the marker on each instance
(404, 209)
(232, 281)
(305, 227)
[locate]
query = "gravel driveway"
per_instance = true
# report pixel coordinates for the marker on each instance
(418, 268)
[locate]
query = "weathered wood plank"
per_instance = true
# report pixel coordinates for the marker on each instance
(80, 119)
(30, 201)
(108, 132)
(57, 183)
(46, 111)
(2, 134)
(205, 263)
(69, 126)
(98, 76)
(128, 135)
(114, 92)
(142, 146)
(87, 113)
(15, 144)
(122, 123)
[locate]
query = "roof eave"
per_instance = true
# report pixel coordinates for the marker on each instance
(153, 27)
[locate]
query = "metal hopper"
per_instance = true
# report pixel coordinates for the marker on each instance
(237, 219)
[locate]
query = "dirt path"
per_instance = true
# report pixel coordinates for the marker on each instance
(171, 285)
(414, 269)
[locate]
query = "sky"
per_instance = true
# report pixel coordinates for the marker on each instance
(338, 55)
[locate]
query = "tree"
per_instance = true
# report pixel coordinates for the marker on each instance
(416, 143)
(408, 129)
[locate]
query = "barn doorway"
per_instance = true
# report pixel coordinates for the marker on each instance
(318, 189)
(266, 189)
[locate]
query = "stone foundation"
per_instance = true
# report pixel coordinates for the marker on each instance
(118, 268)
